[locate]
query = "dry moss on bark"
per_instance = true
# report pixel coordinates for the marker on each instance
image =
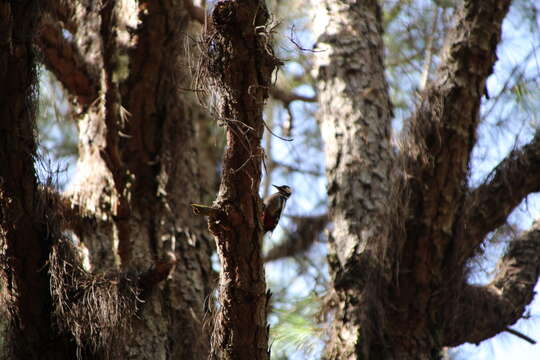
(94, 308)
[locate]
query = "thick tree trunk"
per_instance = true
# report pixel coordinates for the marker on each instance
(399, 245)
(27, 232)
(146, 177)
(355, 125)
(136, 175)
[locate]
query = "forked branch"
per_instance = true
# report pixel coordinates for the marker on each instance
(489, 205)
(486, 311)
(442, 134)
(63, 58)
(288, 97)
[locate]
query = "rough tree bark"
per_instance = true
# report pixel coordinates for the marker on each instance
(240, 63)
(27, 232)
(123, 63)
(355, 125)
(406, 225)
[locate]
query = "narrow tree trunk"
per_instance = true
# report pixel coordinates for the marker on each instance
(240, 64)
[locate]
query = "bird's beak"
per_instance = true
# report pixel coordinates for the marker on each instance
(277, 187)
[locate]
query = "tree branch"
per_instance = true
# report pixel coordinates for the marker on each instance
(521, 336)
(74, 56)
(428, 58)
(485, 311)
(293, 168)
(489, 205)
(288, 97)
(63, 58)
(308, 230)
(441, 135)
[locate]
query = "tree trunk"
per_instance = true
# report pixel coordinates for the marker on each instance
(136, 176)
(148, 177)
(240, 64)
(355, 119)
(405, 222)
(28, 232)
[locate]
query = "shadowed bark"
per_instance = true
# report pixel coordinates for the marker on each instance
(149, 149)
(27, 232)
(489, 205)
(240, 63)
(124, 63)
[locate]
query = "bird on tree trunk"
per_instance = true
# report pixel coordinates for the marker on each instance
(273, 207)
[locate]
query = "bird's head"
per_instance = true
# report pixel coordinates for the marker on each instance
(284, 190)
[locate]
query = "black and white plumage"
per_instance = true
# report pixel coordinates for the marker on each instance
(273, 207)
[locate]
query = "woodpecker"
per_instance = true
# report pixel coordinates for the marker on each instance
(273, 207)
